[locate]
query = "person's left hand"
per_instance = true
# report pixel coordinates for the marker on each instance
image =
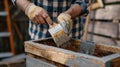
(65, 21)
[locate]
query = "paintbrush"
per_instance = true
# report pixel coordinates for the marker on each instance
(57, 32)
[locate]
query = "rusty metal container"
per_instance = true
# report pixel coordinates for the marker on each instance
(44, 53)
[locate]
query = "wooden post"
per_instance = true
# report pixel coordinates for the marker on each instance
(93, 6)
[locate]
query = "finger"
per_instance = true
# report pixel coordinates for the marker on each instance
(47, 19)
(42, 16)
(37, 17)
(35, 20)
(41, 19)
(45, 15)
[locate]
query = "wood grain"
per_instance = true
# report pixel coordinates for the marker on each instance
(68, 57)
(104, 40)
(110, 1)
(104, 28)
(108, 12)
(115, 62)
(62, 56)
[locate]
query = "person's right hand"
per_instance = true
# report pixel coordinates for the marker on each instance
(36, 14)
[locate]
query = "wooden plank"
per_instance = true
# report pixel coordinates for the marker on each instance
(118, 42)
(104, 40)
(33, 62)
(110, 1)
(115, 62)
(62, 56)
(106, 48)
(17, 63)
(14, 58)
(108, 12)
(3, 13)
(68, 57)
(5, 55)
(45, 60)
(112, 60)
(108, 29)
(4, 34)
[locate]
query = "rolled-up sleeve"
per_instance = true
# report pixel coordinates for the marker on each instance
(13, 1)
(83, 5)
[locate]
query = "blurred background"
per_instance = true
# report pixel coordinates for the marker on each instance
(13, 33)
(104, 28)
(19, 28)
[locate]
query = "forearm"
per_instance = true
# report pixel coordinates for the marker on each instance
(22, 4)
(74, 10)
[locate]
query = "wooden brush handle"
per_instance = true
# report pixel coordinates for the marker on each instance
(49, 21)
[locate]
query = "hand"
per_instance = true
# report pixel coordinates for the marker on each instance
(36, 14)
(66, 22)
